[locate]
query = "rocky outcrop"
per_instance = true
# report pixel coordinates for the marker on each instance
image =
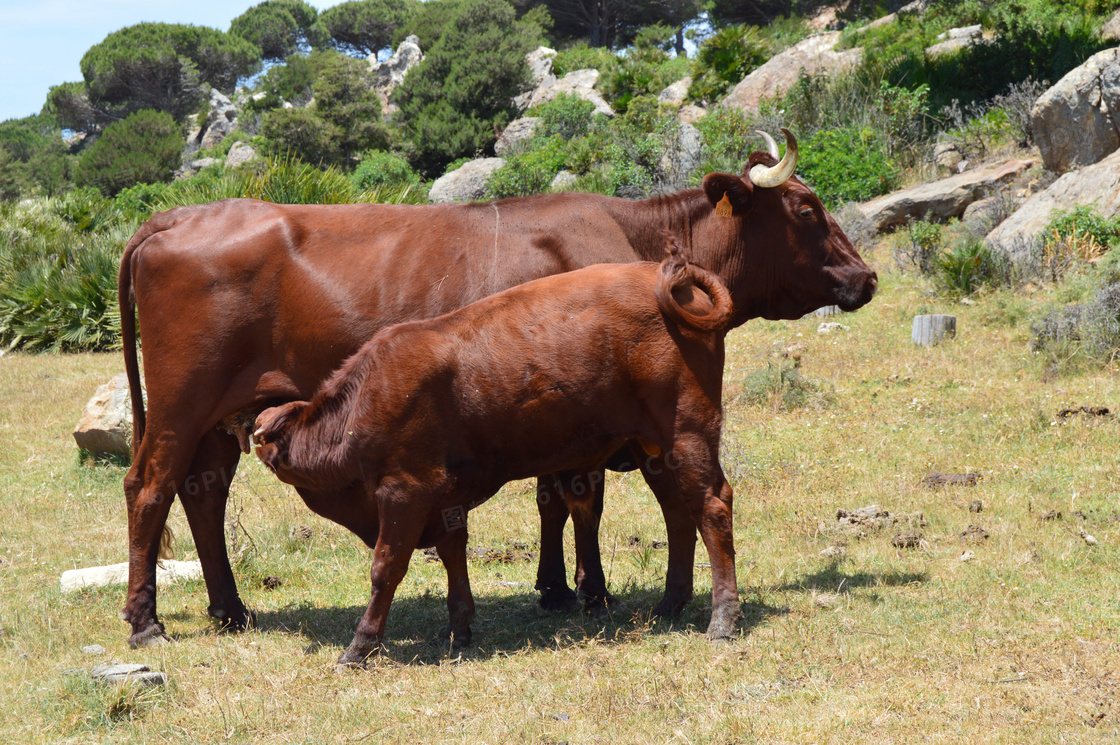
(466, 183)
(105, 427)
(220, 122)
(540, 63)
(942, 199)
(580, 83)
(192, 167)
(518, 132)
(815, 55)
(1075, 122)
(682, 155)
(391, 73)
(1110, 31)
(1097, 185)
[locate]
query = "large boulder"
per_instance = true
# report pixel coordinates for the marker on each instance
(942, 199)
(578, 82)
(105, 427)
(239, 154)
(220, 122)
(1111, 30)
(391, 73)
(815, 55)
(675, 93)
(466, 183)
(518, 132)
(1075, 122)
(1097, 185)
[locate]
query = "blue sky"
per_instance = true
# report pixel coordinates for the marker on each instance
(42, 41)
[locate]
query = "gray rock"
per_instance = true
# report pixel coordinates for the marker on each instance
(1110, 31)
(221, 120)
(167, 570)
(683, 154)
(951, 46)
(580, 83)
(391, 73)
(518, 132)
(984, 214)
(105, 427)
(1075, 122)
(942, 199)
(466, 183)
(239, 154)
(127, 672)
(215, 133)
(540, 63)
(93, 649)
(815, 55)
(563, 181)
(947, 155)
(674, 94)
(1097, 185)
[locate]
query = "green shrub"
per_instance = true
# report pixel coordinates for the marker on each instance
(1080, 334)
(143, 148)
(529, 172)
(301, 133)
(582, 57)
(724, 59)
(567, 116)
(966, 268)
(646, 69)
(379, 168)
(782, 387)
(847, 165)
(729, 138)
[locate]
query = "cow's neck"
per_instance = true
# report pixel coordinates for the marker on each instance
(645, 222)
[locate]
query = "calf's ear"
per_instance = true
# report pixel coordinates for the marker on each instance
(729, 195)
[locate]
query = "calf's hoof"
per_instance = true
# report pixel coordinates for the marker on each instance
(725, 622)
(153, 636)
(452, 639)
(671, 607)
(236, 619)
(557, 598)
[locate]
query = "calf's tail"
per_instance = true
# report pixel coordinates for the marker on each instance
(692, 296)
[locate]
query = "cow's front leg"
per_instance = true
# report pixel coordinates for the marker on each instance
(452, 552)
(680, 530)
(552, 575)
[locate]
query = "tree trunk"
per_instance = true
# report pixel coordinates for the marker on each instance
(928, 330)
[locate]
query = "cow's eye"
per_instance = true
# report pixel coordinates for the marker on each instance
(806, 213)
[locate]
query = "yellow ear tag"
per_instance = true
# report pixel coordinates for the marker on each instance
(723, 206)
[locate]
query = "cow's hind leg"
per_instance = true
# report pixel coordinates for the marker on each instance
(452, 551)
(584, 498)
(204, 493)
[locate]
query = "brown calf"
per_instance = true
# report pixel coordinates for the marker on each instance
(430, 418)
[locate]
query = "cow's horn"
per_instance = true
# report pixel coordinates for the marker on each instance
(258, 433)
(765, 176)
(771, 146)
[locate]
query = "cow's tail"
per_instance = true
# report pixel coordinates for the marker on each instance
(692, 296)
(126, 299)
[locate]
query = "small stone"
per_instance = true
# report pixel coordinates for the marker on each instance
(93, 649)
(968, 555)
(974, 533)
(1090, 540)
(833, 552)
(129, 672)
(829, 326)
(907, 539)
(830, 600)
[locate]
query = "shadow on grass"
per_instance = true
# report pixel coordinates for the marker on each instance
(504, 625)
(833, 579)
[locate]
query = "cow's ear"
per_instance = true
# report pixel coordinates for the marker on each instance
(730, 195)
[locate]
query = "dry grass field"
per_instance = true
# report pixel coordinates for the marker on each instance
(1013, 637)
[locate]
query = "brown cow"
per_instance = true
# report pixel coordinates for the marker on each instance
(244, 304)
(431, 418)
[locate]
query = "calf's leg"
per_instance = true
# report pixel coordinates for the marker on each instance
(583, 496)
(552, 575)
(452, 552)
(680, 531)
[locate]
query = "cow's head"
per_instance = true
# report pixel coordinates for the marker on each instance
(780, 251)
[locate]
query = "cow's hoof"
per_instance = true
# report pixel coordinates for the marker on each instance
(725, 623)
(596, 605)
(153, 636)
(235, 620)
(558, 598)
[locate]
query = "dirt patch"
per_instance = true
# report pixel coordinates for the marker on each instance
(1083, 412)
(1050, 516)
(271, 582)
(976, 506)
(488, 555)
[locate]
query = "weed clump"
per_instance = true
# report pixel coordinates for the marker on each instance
(782, 387)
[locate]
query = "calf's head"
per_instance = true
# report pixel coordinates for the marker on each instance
(779, 250)
(272, 436)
